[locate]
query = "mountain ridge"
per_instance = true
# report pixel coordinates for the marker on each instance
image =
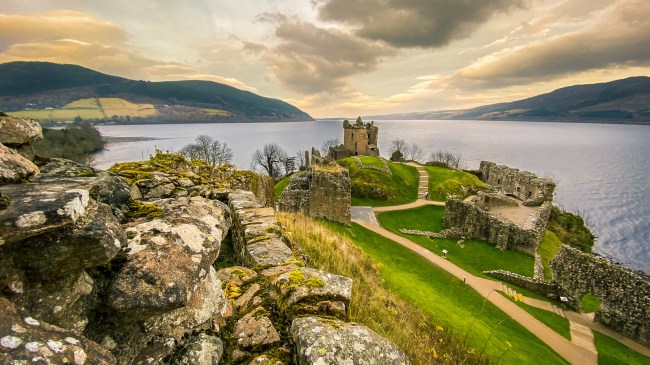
(619, 101)
(40, 85)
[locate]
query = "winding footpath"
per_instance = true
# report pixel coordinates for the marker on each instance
(580, 350)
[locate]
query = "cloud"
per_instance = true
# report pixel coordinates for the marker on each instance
(64, 36)
(313, 60)
(414, 23)
(55, 25)
(619, 37)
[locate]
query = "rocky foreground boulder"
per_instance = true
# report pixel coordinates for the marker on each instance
(16, 132)
(104, 267)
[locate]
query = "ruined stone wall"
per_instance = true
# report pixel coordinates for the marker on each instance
(360, 138)
(476, 222)
(323, 191)
(540, 286)
(625, 295)
(524, 185)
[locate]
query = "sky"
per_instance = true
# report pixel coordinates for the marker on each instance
(336, 58)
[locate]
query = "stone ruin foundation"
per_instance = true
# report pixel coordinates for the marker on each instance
(500, 220)
(323, 191)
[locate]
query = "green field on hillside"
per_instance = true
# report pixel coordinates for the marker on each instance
(279, 187)
(375, 188)
(91, 108)
(451, 302)
(444, 181)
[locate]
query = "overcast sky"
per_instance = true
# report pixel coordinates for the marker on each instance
(343, 57)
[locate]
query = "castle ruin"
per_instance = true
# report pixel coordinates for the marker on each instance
(358, 139)
(512, 216)
(322, 191)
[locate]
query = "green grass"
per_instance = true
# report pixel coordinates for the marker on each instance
(612, 352)
(279, 187)
(443, 181)
(555, 322)
(451, 302)
(375, 188)
(590, 303)
(547, 250)
(372, 161)
(475, 257)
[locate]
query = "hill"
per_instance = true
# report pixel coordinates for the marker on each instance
(39, 88)
(621, 101)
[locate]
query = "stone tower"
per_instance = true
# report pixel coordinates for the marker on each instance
(360, 138)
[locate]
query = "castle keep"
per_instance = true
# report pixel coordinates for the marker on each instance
(358, 139)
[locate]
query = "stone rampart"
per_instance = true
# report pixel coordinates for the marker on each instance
(475, 221)
(323, 191)
(524, 185)
(625, 295)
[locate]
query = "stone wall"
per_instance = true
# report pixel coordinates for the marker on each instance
(524, 185)
(474, 221)
(274, 289)
(543, 287)
(323, 191)
(625, 295)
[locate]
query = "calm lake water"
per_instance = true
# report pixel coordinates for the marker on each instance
(602, 170)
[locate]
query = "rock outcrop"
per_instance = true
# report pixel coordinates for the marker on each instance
(103, 278)
(16, 132)
(326, 341)
(26, 340)
(14, 168)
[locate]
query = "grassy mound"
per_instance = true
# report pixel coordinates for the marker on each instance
(375, 188)
(612, 352)
(444, 181)
(476, 256)
(571, 229)
(487, 331)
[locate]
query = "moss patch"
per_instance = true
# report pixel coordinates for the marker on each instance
(137, 209)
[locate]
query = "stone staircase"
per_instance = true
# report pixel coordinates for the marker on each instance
(423, 187)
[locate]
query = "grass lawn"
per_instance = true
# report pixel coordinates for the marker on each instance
(555, 322)
(612, 352)
(452, 303)
(443, 181)
(279, 187)
(590, 303)
(372, 161)
(476, 256)
(376, 189)
(547, 250)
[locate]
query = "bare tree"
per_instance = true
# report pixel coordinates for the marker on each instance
(300, 159)
(415, 153)
(209, 150)
(270, 158)
(332, 142)
(449, 159)
(401, 146)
